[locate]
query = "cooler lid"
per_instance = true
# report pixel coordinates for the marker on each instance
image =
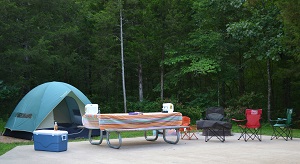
(50, 132)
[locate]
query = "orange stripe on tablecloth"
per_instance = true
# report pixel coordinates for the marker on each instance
(91, 115)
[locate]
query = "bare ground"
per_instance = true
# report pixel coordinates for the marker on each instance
(6, 139)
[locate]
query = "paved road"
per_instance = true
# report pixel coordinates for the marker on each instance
(137, 150)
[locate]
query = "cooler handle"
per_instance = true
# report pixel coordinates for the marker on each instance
(64, 137)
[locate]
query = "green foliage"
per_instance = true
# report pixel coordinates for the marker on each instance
(290, 12)
(262, 28)
(208, 52)
(203, 66)
(243, 29)
(236, 107)
(2, 125)
(194, 112)
(145, 106)
(204, 100)
(7, 94)
(197, 66)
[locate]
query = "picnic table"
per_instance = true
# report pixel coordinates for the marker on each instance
(136, 121)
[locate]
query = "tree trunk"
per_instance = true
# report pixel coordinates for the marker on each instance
(223, 95)
(141, 97)
(122, 59)
(286, 92)
(241, 76)
(162, 75)
(269, 88)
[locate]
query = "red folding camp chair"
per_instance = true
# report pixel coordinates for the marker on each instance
(250, 127)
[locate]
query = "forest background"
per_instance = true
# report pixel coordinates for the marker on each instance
(193, 53)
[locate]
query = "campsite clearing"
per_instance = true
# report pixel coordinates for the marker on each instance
(137, 150)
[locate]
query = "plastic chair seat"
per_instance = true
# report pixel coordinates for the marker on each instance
(280, 125)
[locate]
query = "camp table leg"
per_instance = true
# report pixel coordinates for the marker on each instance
(171, 142)
(108, 142)
(151, 139)
(91, 140)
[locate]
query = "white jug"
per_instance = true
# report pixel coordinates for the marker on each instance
(91, 109)
(168, 108)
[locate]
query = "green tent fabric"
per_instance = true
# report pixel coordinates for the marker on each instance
(46, 103)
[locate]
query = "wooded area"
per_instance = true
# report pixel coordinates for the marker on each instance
(193, 53)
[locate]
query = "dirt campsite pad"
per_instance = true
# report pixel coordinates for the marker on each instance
(6, 139)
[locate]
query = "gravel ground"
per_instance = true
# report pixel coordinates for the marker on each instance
(5, 139)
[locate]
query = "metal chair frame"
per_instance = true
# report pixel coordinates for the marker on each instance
(249, 131)
(282, 126)
(189, 131)
(218, 122)
(213, 132)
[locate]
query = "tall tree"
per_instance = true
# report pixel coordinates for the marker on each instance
(100, 53)
(122, 56)
(290, 14)
(265, 30)
(210, 57)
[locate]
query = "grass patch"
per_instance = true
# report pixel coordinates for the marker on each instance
(5, 147)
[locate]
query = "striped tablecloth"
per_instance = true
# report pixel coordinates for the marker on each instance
(126, 121)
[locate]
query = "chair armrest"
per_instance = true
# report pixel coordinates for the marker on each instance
(236, 120)
(279, 120)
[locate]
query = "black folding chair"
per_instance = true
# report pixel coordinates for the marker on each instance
(214, 124)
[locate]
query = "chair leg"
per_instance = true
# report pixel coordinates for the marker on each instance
(288, 132)
(274, 134)
(277, 132)
(183, 134)
(210, 132)
(243, 133)
(188, 133)
(250, 133)
(254, 133)
(284, 132)
(191, 134)
(291, 133)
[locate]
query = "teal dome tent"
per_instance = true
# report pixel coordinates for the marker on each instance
(45, 104)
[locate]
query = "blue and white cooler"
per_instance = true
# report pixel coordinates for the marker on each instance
(50, 140)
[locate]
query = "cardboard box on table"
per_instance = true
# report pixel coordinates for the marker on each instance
(50, 140)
